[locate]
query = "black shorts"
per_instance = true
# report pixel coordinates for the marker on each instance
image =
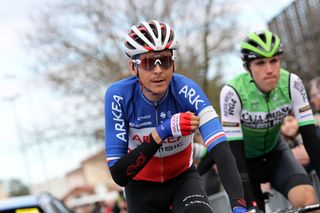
(280, 168)
(183, 193)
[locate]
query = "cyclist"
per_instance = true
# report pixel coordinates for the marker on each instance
(315, 100)
(253, 105)
(150, 119)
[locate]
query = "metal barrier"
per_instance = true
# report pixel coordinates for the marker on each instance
(220, 202)
(276, 202)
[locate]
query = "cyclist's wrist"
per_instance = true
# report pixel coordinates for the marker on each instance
(156, 137)
(238, 202)
(164, 129)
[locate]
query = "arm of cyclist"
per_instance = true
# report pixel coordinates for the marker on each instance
(230, 106)
(303, 113)
(128, 166)
(124, 169)
(238, 151)
(237, 148)
(206, 163)
(229, 176)
(219, 151)
(311, 142)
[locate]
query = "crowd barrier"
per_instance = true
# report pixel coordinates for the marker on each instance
(277, 201)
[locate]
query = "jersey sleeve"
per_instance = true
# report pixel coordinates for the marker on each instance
(230, 106)
(116, 127)
(300, 104)
(210, 128)
(196, 101)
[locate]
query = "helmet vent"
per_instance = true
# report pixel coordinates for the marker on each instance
(150, 36)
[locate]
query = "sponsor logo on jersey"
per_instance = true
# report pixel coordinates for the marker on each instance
(163, 115)
(229, 104)
(138, 125)
(175, 124)
(118, 118)
(230, 124)
(134, 168)
(170, 144)
(170, 147)
(254, 102)
(264, 120)
(308, 115)
(277, 99)
(233, 131)
(140, 139)
(192, 96)
(298, 85)
(145, 117)
(305, 108)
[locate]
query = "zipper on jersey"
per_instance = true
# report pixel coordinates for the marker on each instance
(156, 109)
(267, 132)
(157, 122)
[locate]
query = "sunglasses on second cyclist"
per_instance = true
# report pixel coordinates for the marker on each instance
(148, 63)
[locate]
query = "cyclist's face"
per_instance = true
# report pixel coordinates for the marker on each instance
(155, 73)
(266, 73)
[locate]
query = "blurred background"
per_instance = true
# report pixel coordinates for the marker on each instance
(57, 59)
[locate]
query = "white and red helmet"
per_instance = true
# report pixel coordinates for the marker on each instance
(150, 36)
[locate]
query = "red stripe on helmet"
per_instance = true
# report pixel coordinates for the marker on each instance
(133, 34)
(168, 45)
(148, 48)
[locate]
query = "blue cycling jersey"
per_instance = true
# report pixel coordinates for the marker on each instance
(130, 118)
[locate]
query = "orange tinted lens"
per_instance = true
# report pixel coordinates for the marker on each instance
(149, 63)
(166, 62)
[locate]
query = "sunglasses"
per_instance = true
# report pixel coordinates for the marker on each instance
(150, 62)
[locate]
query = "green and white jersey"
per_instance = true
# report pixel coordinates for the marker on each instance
(255, 117)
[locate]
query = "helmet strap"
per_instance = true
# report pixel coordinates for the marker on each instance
(246, 66)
